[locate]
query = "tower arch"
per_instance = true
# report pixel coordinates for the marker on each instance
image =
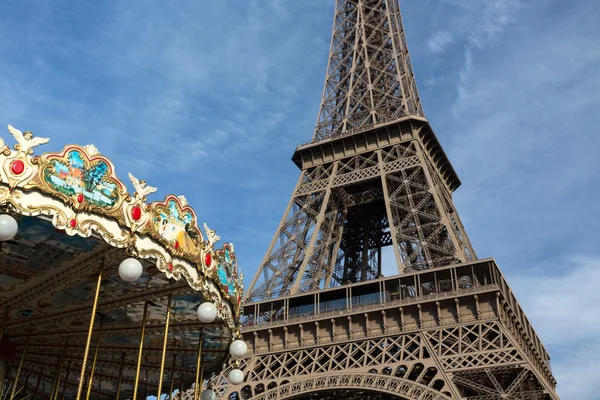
(398, 388)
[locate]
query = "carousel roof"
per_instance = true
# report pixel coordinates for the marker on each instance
(76, 218)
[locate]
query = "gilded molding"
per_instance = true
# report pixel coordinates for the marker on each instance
(78, 189)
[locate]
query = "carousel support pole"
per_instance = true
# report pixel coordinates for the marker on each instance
(64, 389)
(14, 389)
(58, 360)
(2, 379)
(172, 377)
(57, 389)
(181, 388)
(89, 388)
(4, 321)
(43, 390)
(198, 389)
(139, 360)
(59, 367)
(37, 385)
(90, 331)
(87, 379)
(164, 350)
(25, 386)
(120, 375)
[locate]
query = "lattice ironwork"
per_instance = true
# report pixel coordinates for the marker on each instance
(369, 77)
(428, 363)
(374, 175)
(342, 214)
(499, 383)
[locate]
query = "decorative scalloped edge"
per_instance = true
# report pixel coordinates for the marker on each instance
(24, 190)
(158, 208)
(46, 165)
(236, 296)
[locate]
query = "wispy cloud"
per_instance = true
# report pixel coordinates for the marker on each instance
(439, 41)
(494, 17)
(563, 310)
(197, 98)
(515, 109)
(167, 74)
(555, 302)
(522, 141)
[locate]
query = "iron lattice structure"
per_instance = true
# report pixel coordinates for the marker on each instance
(374, 175)
(453, 332)
(369, 77)
(321, 320)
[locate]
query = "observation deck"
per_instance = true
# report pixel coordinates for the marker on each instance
(425, 300)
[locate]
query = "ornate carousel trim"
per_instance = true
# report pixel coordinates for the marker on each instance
(79, 191)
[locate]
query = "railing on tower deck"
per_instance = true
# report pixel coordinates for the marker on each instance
(340, 135)
(359, 129)
(431, 284)
(310, 316)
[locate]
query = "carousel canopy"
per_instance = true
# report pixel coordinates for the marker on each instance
(79, 241)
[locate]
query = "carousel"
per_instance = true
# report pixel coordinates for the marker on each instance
(103, 294)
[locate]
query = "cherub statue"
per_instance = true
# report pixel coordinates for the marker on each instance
(25, 141)
(91, 150)
(211, 236)
(141, 188)
(182, 200)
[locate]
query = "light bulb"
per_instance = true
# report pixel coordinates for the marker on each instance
(130, 269)
(236, 376)
(8, 227)
(208, 394)
(207, 312)
(238, 348)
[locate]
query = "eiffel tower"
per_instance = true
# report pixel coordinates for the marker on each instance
(320, 319)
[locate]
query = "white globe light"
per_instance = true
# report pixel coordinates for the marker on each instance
(207, 312)
(208, 394)
(238, 348)
(8, 227)
(236, 376)
(130, 269)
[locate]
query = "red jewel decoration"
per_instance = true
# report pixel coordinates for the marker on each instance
(17, 167)
(170, 267)
(136, 213)
(176, 245)
(73, 223)
(208, 259)
(80, 198)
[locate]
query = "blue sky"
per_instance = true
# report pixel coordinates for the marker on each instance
(208, 99)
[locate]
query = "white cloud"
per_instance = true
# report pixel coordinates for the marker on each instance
(201, 99)
(577, 373)
(439, 41)
(521, 140)
(159, 72)
(495, 16)
(571, 297)
(526, 166)
(563, 309)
